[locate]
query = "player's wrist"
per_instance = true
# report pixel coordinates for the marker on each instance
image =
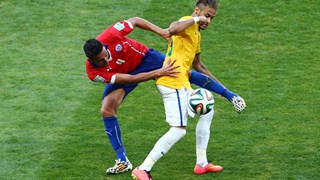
(196, 19)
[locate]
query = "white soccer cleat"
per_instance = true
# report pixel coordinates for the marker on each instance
(238, 103)
(119, 167)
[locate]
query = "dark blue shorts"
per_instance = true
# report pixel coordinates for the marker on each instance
(151, 61)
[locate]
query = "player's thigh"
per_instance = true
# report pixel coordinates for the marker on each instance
(113, 99)
(175, 104)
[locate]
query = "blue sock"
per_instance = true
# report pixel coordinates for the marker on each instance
(114, 134)
(210, 84)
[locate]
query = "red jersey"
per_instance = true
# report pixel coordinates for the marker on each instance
(126, 54)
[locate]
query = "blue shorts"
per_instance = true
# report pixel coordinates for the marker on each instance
(151, 61)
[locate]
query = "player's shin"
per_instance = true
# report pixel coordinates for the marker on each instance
(210, 84)
(202, 137)
(162, 146)
(114, 134)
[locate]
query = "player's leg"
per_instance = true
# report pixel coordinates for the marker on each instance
(110, 104)
(202, 137)
(112, 98)
(206, 82)
(151, 61)
(176, 116)
(210, 84)
(162, 146)
(202, 140)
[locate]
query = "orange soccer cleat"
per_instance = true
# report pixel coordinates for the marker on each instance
(208, 168)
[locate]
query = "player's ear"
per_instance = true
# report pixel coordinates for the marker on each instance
(196, 11)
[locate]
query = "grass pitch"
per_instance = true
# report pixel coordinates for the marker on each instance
(49, 111)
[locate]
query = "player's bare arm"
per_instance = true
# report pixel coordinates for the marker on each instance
(179, 26)
(146, 25)
(200, 67)
(167, 70)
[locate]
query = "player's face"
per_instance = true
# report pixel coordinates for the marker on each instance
(208, 12)
(102, 58)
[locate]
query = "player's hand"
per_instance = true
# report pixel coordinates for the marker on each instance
(166, 35)
(169, 70)
(203, 19)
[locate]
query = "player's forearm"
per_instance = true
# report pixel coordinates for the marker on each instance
(133, 79)
(179, 26)
(205, 71)
(141, 77)
(146, 25)
(200, 67)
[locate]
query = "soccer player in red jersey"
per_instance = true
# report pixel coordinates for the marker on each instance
(122, 63)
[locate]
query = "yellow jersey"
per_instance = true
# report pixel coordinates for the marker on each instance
(183, 48)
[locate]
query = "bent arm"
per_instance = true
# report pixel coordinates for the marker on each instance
(179, 26)
(146, 25)
(200, 67)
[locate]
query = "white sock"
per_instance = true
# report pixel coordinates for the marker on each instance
(162, 146)
(202, 157)
(202, 138)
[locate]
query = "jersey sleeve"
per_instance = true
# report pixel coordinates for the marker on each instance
(116, 32)
(99, 74)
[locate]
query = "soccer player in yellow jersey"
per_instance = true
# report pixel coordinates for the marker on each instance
(185, 49)
(184, 46)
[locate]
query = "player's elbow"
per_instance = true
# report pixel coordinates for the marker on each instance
(173, 28)
(171, 31)
(91, 77)
(196, 67)
(134, 21)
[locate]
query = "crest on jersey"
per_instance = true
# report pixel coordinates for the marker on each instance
(119, 26)
(118, 47)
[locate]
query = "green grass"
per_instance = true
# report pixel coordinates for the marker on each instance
(268, 52)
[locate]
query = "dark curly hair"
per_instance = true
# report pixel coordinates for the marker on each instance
(92, 48)
(212, 3)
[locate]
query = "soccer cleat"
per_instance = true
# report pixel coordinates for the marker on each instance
(208, 168)
(138, 174)
(238, 103)
(119, 167)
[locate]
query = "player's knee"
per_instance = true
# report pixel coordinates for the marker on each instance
(107, 112)
(179, 132)
(108, 108)
(110, 104)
